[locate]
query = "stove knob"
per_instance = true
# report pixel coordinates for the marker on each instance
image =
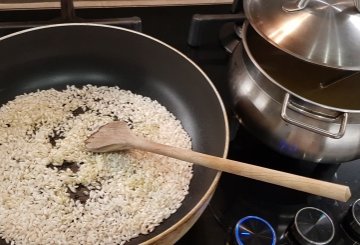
(311, 226)
(253, 230)
(351, 222)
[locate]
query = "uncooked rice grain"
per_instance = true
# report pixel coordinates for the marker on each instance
(128, 193)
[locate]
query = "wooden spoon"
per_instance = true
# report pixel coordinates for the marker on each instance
(116, 136)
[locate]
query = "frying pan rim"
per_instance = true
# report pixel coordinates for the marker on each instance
(211, 189)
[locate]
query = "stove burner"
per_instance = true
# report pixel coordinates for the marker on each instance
(254, 230)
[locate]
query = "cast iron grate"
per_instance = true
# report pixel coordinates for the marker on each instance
(68, 15)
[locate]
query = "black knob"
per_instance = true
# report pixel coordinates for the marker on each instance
(351, 222)
(253, 230)
(311, 226)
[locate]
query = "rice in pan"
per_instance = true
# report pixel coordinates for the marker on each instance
(53, 191)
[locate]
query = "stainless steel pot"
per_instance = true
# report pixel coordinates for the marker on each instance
(324, 32)
(279, 99)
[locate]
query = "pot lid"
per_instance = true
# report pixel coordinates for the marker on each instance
(324, 32)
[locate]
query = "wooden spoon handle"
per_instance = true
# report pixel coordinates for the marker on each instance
(309, 185)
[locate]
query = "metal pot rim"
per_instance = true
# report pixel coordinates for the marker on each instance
(245, 28)
(330, 28)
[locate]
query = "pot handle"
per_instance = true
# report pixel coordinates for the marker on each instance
(309, 127)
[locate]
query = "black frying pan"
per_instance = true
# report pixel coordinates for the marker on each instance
(79, 54)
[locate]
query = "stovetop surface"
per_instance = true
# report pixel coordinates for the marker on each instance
(235, 197)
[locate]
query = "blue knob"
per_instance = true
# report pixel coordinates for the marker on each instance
(252, 230)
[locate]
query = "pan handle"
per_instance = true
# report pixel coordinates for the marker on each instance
(344, 119)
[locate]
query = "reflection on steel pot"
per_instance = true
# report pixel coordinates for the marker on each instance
(323, 32)
(280, 99)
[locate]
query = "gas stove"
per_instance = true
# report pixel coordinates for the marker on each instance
(242, 211)
(268, 211)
